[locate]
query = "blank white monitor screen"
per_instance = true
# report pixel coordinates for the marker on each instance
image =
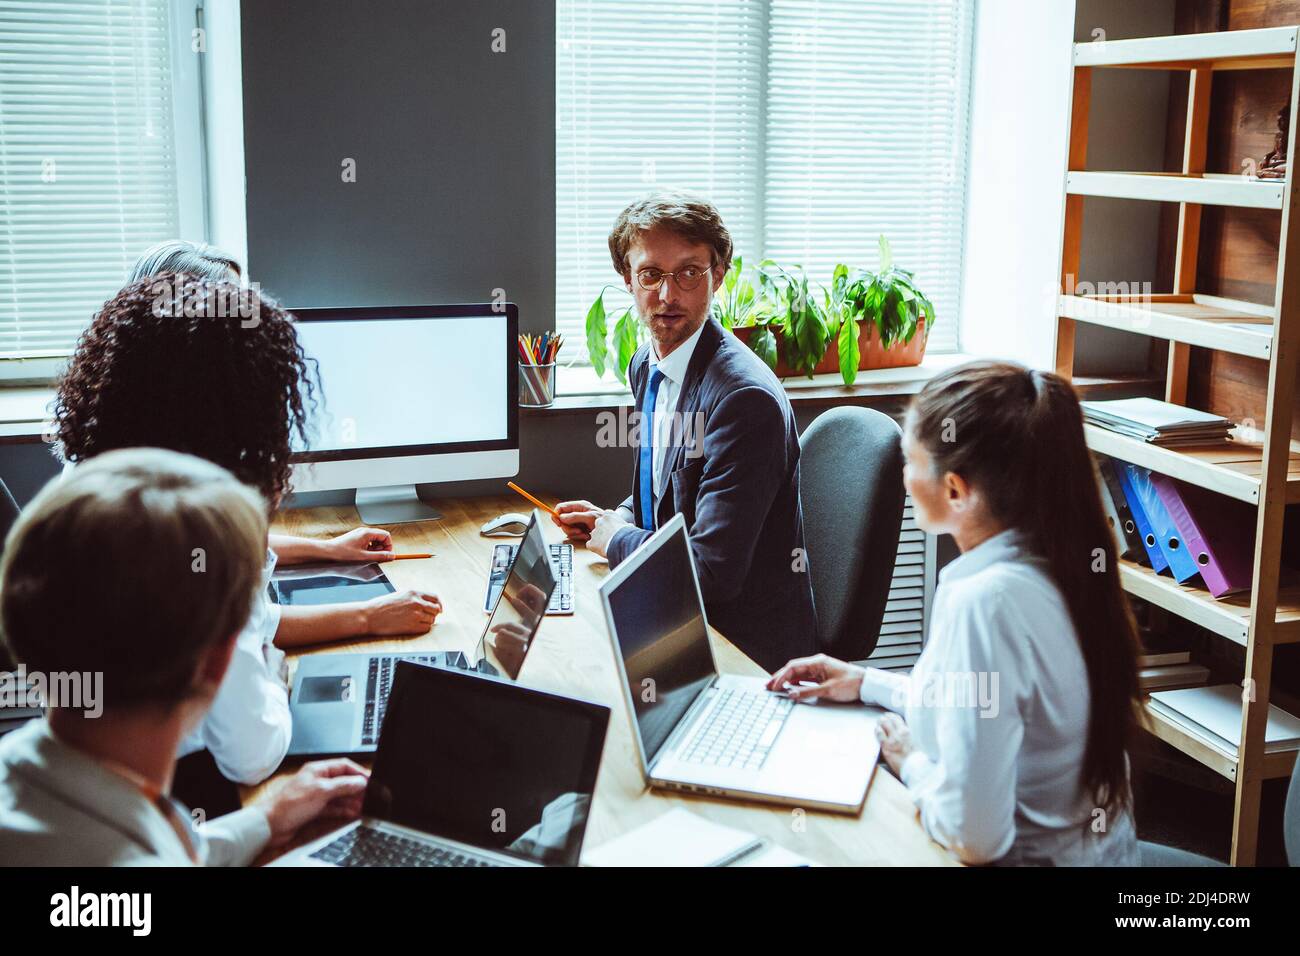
(394, 382)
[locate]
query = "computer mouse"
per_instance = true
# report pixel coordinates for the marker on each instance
(510, 525)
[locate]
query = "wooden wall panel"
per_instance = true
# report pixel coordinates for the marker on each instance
(1238, 252)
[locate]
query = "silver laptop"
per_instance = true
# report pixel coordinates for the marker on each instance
(722, 735)
(338, 701)
(472, 771)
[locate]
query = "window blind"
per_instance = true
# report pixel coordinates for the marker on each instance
(867, 109)
(650, 95)
(87, 160)
(813, 125)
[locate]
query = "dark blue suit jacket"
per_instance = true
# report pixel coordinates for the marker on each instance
(737, 487)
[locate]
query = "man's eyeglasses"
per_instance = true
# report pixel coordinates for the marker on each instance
(687, 279)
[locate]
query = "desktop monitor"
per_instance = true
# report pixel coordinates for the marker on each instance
(408, 394)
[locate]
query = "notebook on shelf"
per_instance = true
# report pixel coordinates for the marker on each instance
(1156, 422)
(1214, 714)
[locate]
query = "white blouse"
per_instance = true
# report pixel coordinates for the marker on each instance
(248, 728)
(998, 707)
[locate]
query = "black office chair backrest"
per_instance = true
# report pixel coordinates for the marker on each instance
(851, 488)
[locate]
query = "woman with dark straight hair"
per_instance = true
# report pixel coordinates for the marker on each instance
(1018, 714)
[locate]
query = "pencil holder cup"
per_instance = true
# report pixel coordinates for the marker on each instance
(537, 385)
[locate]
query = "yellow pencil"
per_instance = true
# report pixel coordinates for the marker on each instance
(517, 490)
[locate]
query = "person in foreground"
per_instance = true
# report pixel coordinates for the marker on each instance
(176, 369)
(1016, 719)
(718, 440)
(80, 788)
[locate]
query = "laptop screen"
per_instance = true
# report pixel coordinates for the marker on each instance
(522, 605)
(661, 631)
(489, 763)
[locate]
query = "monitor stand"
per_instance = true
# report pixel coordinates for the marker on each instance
(393, 504)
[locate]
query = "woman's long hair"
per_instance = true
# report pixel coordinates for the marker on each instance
(1016, 436)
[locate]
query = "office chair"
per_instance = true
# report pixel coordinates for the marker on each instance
(1157, 854)
(851, 489)
(1291, 818)
(1154, 854)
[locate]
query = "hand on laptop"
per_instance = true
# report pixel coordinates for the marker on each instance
(361, 544)
(323, 789)
(824, 676)
(576, 519)
(402, 612)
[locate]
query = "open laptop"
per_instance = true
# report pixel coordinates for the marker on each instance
(472, 771)
(701, 732)
(338, 701)
(503, 555)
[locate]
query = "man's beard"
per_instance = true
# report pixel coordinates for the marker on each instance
(670, 334)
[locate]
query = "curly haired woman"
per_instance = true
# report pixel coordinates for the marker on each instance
(197, 364)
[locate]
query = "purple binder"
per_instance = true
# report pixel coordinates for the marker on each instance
(1218, 532)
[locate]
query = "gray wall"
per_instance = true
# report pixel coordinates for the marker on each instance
(1126, 133)
(454, 147)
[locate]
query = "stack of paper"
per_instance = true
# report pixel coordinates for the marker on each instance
(1214, 714)
(680, 838)
(1159, 423)
(1172, 675)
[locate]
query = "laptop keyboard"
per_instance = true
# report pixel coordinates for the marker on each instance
(739, 730)
(363, 846)
(379, 681)
(561, 563)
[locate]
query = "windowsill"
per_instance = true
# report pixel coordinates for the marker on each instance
(24, 409)
(579, 390)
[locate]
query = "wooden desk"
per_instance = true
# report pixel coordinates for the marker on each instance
(572, 656)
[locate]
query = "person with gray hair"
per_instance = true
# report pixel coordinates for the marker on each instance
(180, 255)
(717, 438)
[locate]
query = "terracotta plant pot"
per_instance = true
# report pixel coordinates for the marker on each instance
(871, 353)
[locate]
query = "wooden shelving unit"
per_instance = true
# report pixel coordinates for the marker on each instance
(1264, 473)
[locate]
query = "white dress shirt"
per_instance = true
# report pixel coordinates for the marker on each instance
(998, 707)
(247, 730)
(673, 369)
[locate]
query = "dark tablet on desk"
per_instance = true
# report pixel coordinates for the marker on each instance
(306, 585)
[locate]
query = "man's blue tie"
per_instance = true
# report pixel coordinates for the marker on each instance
(648, 449)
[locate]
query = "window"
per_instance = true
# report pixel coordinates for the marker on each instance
(814, 125)
(96, 157)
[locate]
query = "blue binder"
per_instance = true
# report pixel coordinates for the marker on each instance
(1155, 555)
(1162, 526)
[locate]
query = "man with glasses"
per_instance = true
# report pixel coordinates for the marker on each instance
(716, 441)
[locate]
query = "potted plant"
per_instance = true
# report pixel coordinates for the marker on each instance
(863, 320)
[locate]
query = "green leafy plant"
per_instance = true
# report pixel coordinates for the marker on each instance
(788, 319)
(601, 347)
(799, 316)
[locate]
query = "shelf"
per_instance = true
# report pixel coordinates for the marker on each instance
(1195, 320)
(1230, 50)
(1228, 616)
(1208, 189)
(1207, 752)
(1230, 467)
